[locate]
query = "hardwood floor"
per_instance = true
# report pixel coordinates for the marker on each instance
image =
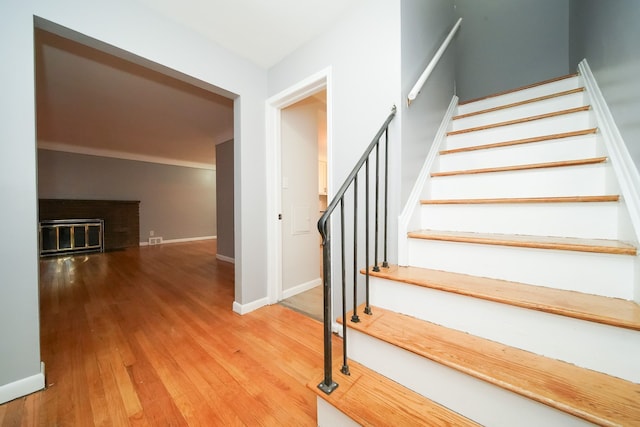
(147, 337)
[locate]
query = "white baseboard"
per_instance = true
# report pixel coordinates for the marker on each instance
(623, 166)
(301, 288)
(247, 308)
(409, 218)
(225, 258)
(22, 387)
(186, 239)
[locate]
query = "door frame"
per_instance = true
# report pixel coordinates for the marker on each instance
(274, 105)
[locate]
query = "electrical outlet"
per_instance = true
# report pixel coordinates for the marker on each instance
(152, 233)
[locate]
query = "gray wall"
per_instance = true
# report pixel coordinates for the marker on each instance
(607, 34)
(224, 205)
(424, 26)
(175, 202)
(505, 44)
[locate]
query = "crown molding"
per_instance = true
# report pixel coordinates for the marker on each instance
(56, 146)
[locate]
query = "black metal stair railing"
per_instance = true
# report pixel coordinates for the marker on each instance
(373, 150)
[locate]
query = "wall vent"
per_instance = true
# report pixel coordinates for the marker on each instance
(155, 240)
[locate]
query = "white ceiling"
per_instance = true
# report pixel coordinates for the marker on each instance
(91, 102)
(263, 31)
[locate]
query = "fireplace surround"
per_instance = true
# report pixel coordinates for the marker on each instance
(120, 219)
(71, 236)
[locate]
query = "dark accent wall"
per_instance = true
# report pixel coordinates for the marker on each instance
(425, 25)
(121, 217)
(503, 44)
(606, 33)
(225, 199)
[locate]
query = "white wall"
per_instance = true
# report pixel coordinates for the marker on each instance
(129, 27)
(362, 52)
(606, 33)
(504, 44)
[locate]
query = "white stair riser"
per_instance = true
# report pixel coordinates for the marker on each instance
(329, 416)
(564, 102)
(587, 344)
(598, 220)
(548, 182)
(539, 152)
(522, 95)
(478, 400)
(541, 127)
(592, 273)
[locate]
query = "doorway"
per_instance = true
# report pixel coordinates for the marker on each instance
(299, 195)
(303, 162)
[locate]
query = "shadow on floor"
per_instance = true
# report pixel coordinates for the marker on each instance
(308, 303)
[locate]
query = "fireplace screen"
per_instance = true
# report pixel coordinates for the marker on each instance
(71, 236)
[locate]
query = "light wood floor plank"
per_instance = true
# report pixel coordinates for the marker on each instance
(555, 79)
(609, 311)
(531, 140)
(590, 395)
(522, 120)
(564, 163)
(146, 336)
(520, 103)
(523, 241)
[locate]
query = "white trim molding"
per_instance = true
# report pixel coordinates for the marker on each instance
(273, 106)
(286, 293)
(183, 240)
(409, 218)
(623, 166)
(23, 386)
(243, 309)
(225, 258)
(100, 152)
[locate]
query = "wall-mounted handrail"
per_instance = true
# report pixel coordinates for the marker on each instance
(328, 384)
(432, 64)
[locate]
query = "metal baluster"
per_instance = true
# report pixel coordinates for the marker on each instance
(367, 307)
(385, 262)
(327, 385)
(354, 316)
(345, 366)
(375, 243)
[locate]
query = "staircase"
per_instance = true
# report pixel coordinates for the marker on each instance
(516, 304)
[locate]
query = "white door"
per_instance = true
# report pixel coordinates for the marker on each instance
(300, 129)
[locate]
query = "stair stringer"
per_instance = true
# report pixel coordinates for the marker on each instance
(623, 166)
(409, 219)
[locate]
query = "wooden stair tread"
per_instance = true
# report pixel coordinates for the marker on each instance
(543, 82)
(542, 138)
(520, 103)
(594, 308)
(517, 200)
(525, 241)
(590, 395)
(563, 163)
(371, 399)
(517, 121)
